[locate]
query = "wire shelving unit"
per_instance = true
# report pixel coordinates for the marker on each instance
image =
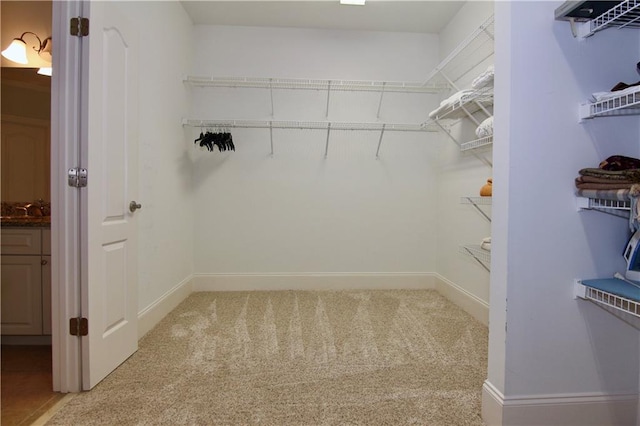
(477, 143)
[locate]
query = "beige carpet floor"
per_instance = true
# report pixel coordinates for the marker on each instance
(298, 358)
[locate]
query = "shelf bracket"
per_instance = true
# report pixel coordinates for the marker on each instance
(470, 253)
(473, 203)
(328, 97)
(271, 93)
(380, 141)
(271, 135)
(380, 102)
(326, 146)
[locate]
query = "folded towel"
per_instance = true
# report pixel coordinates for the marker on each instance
(485, 79)
(613, 175)
(591, 179)
(608, 186)
(485, 128)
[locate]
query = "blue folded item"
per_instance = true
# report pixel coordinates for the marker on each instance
(615, 286)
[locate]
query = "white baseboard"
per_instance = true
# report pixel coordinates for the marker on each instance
(312, 281)
(559, 409)
(150, 316)
(477, 308)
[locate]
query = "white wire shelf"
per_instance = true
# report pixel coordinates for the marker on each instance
(312, 84)
(465, 106)
(620, 207)
(477, 143)
(482, 256)
(473, 50)
(623, 15)
(627, 104)
(480, 201)
(310, 125)
(606, 298)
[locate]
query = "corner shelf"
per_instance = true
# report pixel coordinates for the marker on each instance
(611, 292)
(482, 256)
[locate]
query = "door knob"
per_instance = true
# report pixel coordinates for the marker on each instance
(133, 206)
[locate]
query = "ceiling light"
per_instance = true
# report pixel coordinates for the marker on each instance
(353, 2)
(17, 50)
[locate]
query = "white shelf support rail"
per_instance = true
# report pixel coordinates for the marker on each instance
(604, 298)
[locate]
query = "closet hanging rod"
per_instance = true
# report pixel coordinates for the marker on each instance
(310, 84)
(310, 125)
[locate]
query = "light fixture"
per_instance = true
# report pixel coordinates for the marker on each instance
(353, 2)
(17, 50)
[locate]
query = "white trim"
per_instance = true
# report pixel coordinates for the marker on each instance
(313, 281)
(150, 316)
(558, 409)
(492, 402)
(471, 304)
(65, 250)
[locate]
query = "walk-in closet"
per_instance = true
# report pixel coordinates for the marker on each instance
(319, 213)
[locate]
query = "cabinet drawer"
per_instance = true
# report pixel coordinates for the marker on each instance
(21, 241)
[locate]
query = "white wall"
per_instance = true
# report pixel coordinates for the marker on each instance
(463, 174)
(554, 348)
(297, 212)
(166, 219)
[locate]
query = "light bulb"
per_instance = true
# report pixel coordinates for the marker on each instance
(16, 52)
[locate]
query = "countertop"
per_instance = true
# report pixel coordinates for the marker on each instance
(25, 222)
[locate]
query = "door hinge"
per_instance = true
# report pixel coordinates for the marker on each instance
(79, 326)
(79, 26)
(77, 177)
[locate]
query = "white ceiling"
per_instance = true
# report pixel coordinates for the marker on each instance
(376, 15)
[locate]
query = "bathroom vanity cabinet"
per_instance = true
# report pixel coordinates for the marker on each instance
(26, 281)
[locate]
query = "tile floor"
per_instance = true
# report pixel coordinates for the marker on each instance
(26, 384)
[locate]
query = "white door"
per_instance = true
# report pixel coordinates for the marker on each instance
(109, 152)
